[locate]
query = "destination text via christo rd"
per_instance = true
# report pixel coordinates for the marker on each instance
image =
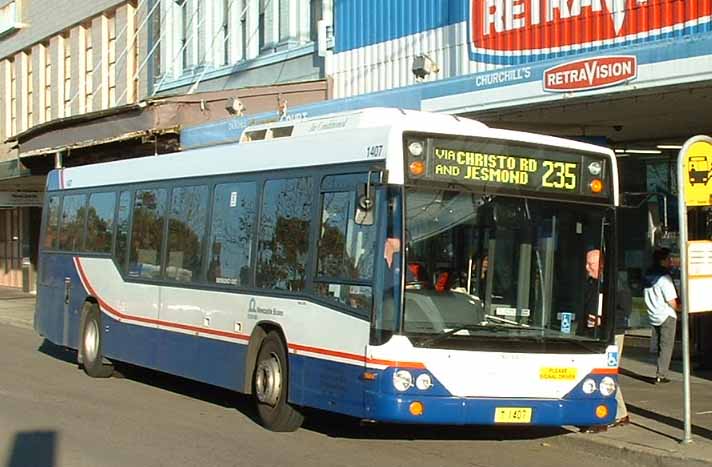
(484, 167)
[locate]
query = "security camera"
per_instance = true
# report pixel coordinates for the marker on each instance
(423, 66)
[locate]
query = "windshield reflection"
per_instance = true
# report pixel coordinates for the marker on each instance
(498, 266)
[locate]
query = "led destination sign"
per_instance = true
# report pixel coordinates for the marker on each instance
(520, 168)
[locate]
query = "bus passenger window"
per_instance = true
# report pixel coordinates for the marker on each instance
(283, 241)
(51, 239)
(122, 229)
(71, 227)
(147, 233)
(231, 233)
(100, 222)
(186, 230)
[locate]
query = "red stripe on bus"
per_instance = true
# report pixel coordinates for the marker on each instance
(363, 359)
(157, 322)
(187, 327)
(604, 371)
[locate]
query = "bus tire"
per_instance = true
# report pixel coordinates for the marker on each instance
(270, 387)
(90, 346)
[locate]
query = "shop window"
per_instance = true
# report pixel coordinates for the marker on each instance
(186, 232)
(147, 233)
(100, 222)
(231, 233)
(284, 234)
(51, 240)
(71, 227)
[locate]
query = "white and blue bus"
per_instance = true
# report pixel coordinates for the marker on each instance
(394, 266)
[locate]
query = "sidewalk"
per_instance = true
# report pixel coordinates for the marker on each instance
(16, 307)
(656, 411)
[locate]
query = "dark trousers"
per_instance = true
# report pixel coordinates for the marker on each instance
(665, 337)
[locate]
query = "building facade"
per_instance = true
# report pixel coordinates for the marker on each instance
(85, 82)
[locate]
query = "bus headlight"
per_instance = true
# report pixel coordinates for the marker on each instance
(416, 148)
(607, 386)
(595, 168)
(402, 380)
(589, 386)
(423, 382)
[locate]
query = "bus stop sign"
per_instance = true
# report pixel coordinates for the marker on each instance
(697, 162)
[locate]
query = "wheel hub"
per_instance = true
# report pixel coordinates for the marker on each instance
(91, 341)
(268, 380)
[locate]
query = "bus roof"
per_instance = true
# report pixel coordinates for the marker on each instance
(331, 139)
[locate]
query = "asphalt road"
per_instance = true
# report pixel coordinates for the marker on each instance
(51, 414)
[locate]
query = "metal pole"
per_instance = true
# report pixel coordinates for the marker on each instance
(682, 215)
(684, 289)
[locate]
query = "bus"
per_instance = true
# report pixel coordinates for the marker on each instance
(389, 265)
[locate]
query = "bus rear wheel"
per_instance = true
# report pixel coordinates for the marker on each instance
(270, 387)
(90, 346)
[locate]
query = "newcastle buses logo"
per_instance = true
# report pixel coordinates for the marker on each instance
(514, 31)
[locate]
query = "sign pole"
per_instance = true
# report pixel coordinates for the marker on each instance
(687, 192)
(682, 215)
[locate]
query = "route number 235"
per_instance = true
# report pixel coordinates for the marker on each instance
(559, 175)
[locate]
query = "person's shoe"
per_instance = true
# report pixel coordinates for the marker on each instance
(623, 421)
(661, 380)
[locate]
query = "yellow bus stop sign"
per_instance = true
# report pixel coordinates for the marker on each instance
(697, 172)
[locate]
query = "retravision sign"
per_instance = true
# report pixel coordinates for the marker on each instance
(510, 31)
(590, 73)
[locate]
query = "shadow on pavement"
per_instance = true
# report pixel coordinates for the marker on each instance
(33, 448)
(634, 375)
(670, 421)
(187, 387)
(340, 426)
(57, 351)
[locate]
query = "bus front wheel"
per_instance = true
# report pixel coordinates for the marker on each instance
(90, 346)
(270, 387)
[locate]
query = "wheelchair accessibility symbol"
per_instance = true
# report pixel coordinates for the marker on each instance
(612, 359)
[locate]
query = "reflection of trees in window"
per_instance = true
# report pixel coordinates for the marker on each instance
(284, 234)
(186, 229)
(346, 252)
(71, 225)
(51, 235)
(122, 228)
(100, 222)
(231, 233)
(345, 249)
(147, 233)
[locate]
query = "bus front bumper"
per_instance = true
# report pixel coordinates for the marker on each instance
(481, 411)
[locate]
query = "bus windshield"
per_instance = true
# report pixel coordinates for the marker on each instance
(497, 266)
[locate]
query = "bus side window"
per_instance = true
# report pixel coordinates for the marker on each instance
(122, 230)
(283, 241)
(71, 226)
(231, 233)
(147, 233)
(51, 240)
(186, 233)
(100, 222)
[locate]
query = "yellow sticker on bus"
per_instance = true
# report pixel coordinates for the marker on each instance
(557, 373)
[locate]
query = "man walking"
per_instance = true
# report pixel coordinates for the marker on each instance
(662, 303)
